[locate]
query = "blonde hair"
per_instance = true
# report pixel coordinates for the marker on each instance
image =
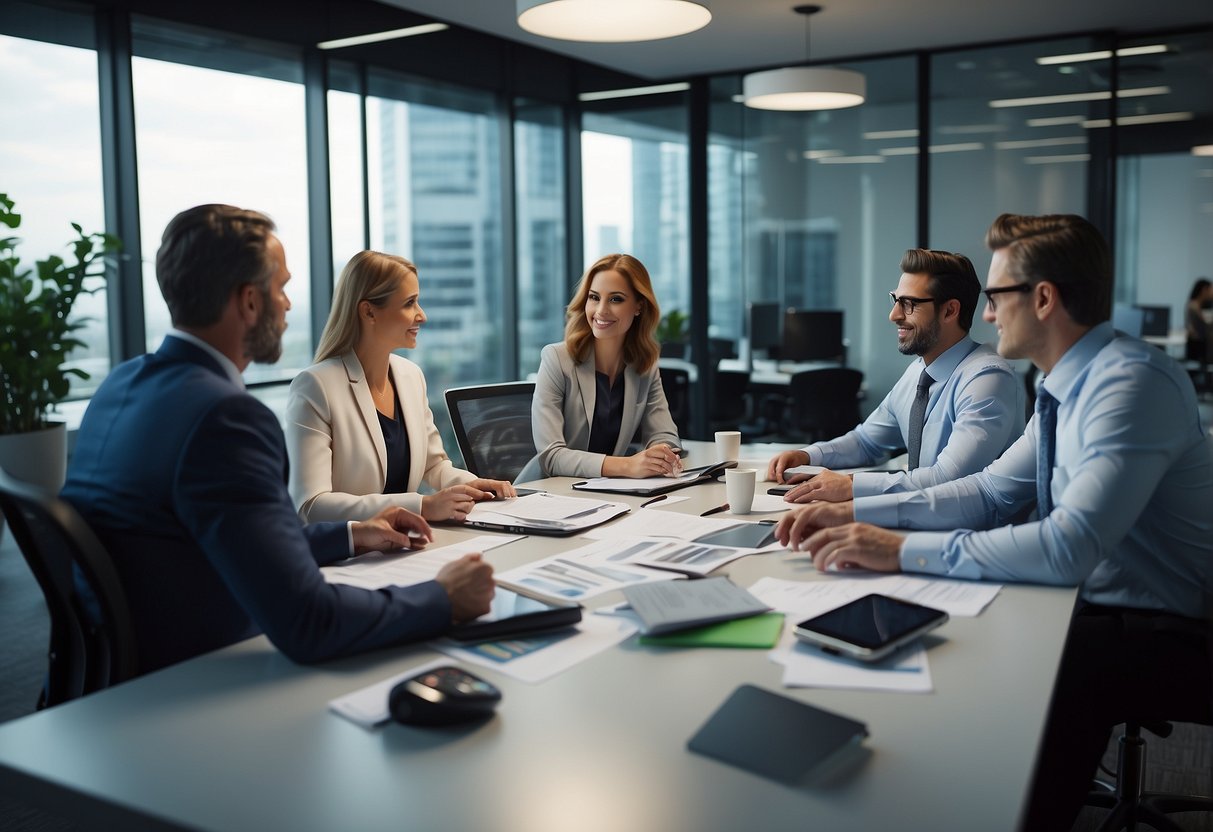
(371, 276)
(640, 347)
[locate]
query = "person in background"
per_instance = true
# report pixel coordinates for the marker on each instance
(1199, 327)
(181, 473)
(359, 428)
(1122, 474)
(601, 385)
(969, 400)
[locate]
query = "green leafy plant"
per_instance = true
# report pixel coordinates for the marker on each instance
(36, 335)
(674, 328)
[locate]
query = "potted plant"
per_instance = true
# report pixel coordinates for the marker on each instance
(37, 334)
(673, 333)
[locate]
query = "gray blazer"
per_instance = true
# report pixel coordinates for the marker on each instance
(563, 410)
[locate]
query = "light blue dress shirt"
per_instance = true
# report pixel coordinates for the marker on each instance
(1132, 488)
(974, 413)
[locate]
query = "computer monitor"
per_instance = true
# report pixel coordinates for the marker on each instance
(812, 335)
(765, 325)
(1155, 320)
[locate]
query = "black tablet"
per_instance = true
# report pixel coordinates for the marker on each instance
(870, 627)
(741, 536)
(513, 615)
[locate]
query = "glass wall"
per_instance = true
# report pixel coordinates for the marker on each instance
(634, 179)
(347, 167)
(1165, 178)
(218, 119)
(50, 161)
(540, 196)
(823, 215)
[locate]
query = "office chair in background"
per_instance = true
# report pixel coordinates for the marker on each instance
(493, 427)
(676, 383)
(92, 642)
(822, 404)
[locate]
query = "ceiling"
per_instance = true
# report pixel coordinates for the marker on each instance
(748, 34)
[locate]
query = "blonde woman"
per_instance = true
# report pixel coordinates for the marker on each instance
(360, 432)
(601, 384)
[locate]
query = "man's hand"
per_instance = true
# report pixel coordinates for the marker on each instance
(469, 584)
(784, 461)
(828, 485)
(389, 529)
(796, 526)
(856, 546)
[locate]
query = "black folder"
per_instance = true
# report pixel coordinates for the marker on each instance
(707, 472)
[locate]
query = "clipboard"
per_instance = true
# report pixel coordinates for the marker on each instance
(664, 486)
(547, 528)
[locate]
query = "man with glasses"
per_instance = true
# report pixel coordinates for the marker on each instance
(1122, 474)
(954, 410)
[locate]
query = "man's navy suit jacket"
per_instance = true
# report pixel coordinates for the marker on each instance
(182, 474)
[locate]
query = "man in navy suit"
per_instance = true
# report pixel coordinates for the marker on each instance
(183, 475)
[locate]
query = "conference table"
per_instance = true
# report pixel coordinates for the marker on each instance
(242, 738)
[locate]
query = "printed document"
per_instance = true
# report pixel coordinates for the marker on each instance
(405, 568)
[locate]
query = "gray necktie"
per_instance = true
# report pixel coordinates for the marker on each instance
(918, 415)
(1046, 430)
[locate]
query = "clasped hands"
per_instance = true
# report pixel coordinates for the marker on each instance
(825, 527)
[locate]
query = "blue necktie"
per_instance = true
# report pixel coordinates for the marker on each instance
(918, 415)
(1046, 434)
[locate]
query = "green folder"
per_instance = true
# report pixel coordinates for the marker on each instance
(755, 631)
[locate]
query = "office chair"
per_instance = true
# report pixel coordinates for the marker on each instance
(676, 383)
(1128, 802)
(822, 403)
(92, 641)
(730, 404)
(493, 427)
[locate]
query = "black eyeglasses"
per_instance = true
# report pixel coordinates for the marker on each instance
(990, 293)
(907, 303)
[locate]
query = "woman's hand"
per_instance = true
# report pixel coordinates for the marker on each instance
(657, 461)
(452, 503)
(497, 488)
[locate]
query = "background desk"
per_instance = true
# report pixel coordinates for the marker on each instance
(242, 739)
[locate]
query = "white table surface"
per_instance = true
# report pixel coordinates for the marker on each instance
(242, 739)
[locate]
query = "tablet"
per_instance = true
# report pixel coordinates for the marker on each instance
(741, 536)
(513, 614)
(869, 628)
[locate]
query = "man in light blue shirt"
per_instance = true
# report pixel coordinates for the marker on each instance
(1124, 483)
(970, 408)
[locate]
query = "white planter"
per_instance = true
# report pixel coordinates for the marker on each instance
(39, 457)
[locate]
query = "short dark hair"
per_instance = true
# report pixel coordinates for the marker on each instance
(952, 277)
(206, 253)
(1065, 250)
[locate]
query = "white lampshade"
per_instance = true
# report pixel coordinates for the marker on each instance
(611, 21)
(804, 88)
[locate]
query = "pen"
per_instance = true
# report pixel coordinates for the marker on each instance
(648, 503)
(716, 510)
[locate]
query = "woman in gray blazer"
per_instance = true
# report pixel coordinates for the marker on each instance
(598, 387)
(359, 429)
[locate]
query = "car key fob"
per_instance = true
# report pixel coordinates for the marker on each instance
(442, 696)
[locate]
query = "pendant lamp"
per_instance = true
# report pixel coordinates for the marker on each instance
(804, 87)
(611, 21)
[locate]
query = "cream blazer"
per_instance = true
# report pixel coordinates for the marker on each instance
(562, 413)
(338, 458)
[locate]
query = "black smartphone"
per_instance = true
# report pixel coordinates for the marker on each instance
(780, 490)
(869, 628)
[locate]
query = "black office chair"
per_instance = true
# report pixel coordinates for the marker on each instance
(822, 404)
(92, 642)
(677, 385)
(730, 400)
(1129, 803)
(493, 427)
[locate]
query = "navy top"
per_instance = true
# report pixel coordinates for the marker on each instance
(396, 442)
(608, 414)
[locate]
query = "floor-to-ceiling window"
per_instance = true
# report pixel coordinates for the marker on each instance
(540, 198)
(50, 156)
(346, 164)
(221, 119)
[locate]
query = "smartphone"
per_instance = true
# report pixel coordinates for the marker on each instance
(780, 490)
(869, 628)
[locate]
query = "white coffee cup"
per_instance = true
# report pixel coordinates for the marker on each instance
(728, 445)
(739, 489)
